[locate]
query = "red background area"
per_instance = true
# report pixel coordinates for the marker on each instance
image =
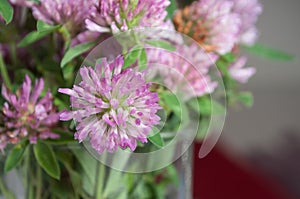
(218, 176)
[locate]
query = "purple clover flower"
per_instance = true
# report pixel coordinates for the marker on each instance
(121, 15)
(71, 13)
(112, 107)
(185, 70)
(249, 10)
(239, 73)
(212, 23)
(26, 115)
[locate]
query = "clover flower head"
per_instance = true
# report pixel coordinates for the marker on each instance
(239, 73)
(27, 115)
(249, 10)
(212, 23)
(185, 70)
(121, 15)
(70, 13)
(112, 107)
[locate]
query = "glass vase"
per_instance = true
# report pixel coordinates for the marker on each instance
(82, 176)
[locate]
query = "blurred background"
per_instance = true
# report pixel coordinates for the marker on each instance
(265, 140)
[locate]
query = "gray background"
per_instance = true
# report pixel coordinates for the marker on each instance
(276, 85)
(268, 132)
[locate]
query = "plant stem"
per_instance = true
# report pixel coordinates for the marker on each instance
(38, 191)
(4, 72)
(30, 188)
(100, 182)
(28, 181)
(6, 193)
(13, 51)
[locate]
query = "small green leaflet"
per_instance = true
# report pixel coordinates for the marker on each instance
(270, 53)
(228, 57)
(143, 60)
(246, 98)
(207, 106)
(43, 30)
(76, 51)
(157, 140)
(6, 11)
(137, 53)
(132, 56)
(15, 156)
(171, 9)
(32, 37)
(41, 27)
(44, 155)
(162, 44)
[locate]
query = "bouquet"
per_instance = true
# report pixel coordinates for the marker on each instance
(103, 98)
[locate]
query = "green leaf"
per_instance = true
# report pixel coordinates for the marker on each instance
(76, 51)
(223, 67)
(173, 175)
(32, 37)
(43, 30)
(46, 159)
(42, 26)
(269, 53)
(207, 106)
(143, 60)
(246, 98)
(132, 56)
(228, 57)
(157, 140)
(171, 101)
(162, 44)
(15, 156)
(61, 189)
(60, 104)
(171, 9)
(203, 127)
(6, 11)
(76, 179)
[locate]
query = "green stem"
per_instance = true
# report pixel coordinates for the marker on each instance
(38, 191)
(6, 193)
(4, 72)
(28, 175)
(66, 36)
(13, 51)
(30, 188)
(100, 182)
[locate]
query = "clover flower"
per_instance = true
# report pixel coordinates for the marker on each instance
(121, 15)
(27, 115)
(184, 71)
(212, 23)
(239, 73)
(112, 107)
(249, 10)
(70, 13)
